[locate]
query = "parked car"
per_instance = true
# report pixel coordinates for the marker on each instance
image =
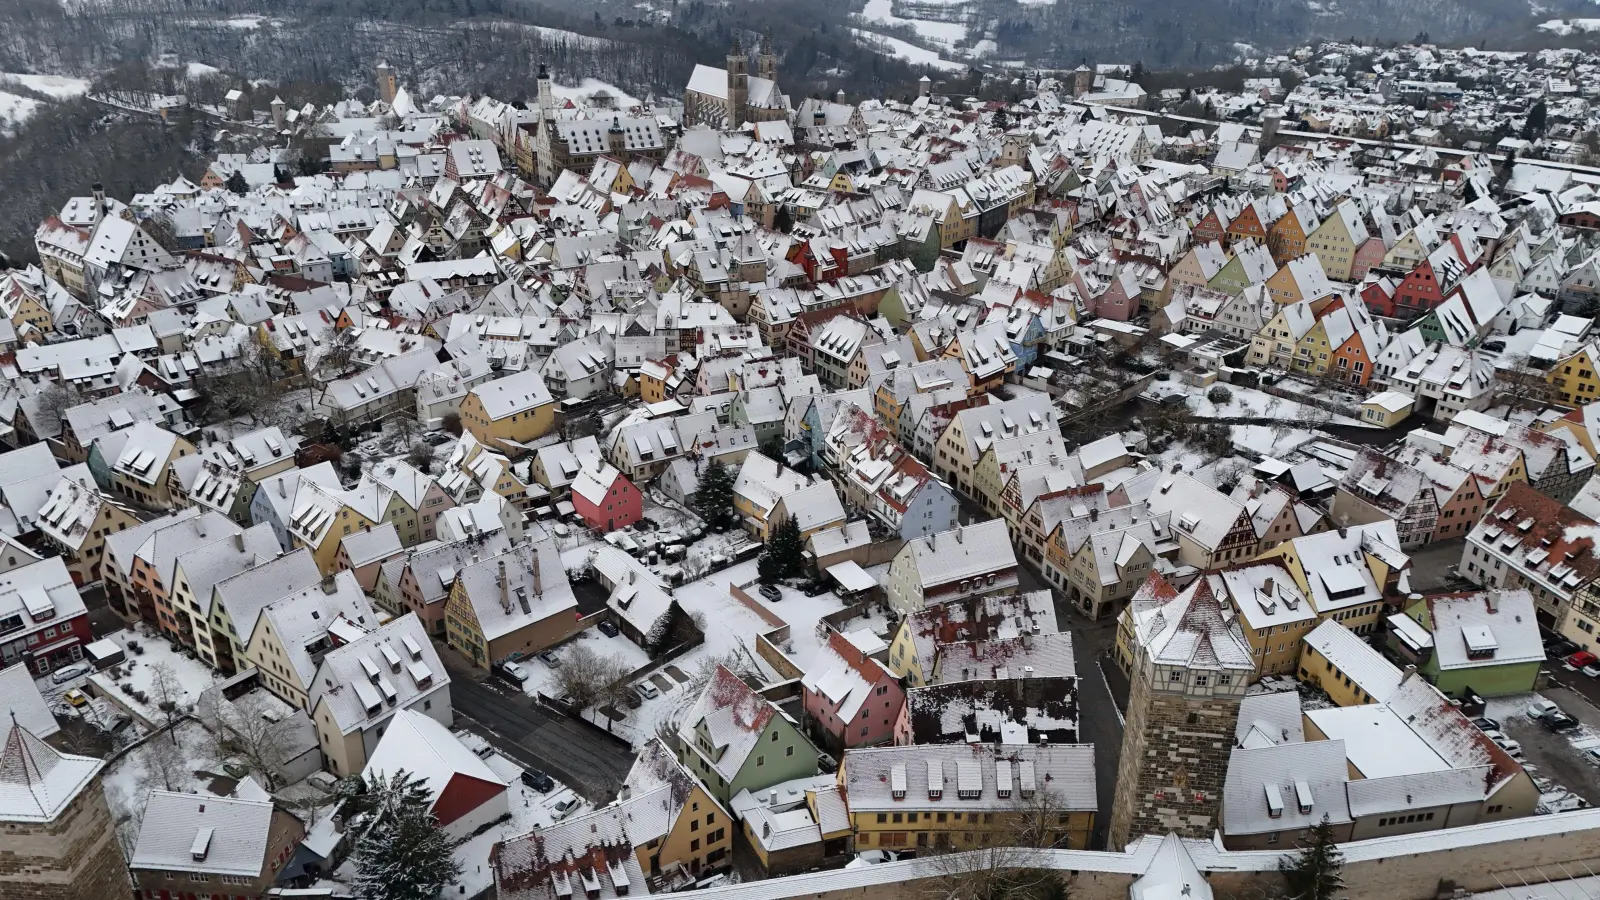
(511, 672)
(814, 588)
(827, 763)
(1580, 659)
(771, 592)
(1559, 648)
(1593, 671)
(77, 697)
(1541, 708)
(648, 690)
(1485, 723)
(564, 807)
(1559, 721)
(1593, 753)
(551, 659)
(538, 780)
(1505, 743)
(67, 673)
(609, 629)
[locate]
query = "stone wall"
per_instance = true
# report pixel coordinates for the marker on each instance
(1177, 747)
(75, 857)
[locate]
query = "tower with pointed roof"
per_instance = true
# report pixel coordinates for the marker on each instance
(388, 82)
(1190, 667)
(767, 58)
(60, 841)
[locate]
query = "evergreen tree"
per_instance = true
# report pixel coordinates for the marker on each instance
(236, 184)
(713, 499)
(402, 854)
(1315, 873)
(1002, 119)
(783, 220)
(785, 553)
(1535, 125)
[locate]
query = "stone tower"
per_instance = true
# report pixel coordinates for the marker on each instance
(280, 114)
(767, 60)
(1271, 119)
(547, 96)
(59, 840)
(738, 85)
(1082, 80)
(1190, 668)
(387, 86)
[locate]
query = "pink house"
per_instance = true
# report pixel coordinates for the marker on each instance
(1369, 254)
(852, 699)
(604, 498)
(1119, 299)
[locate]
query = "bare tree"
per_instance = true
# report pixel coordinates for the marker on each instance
(166, 691)
(1012, 863)
(52, 404)
(1522, 386)
(164, 762)
(251, 730)
(583, 676)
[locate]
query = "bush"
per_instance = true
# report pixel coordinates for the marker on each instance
(1219, 395)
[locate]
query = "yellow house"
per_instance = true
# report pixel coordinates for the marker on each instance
(1336, 240)
(653, 378)
(509, 411)
(23, 308)
(1276, 342)
(1286, 238)
(964, 797)
(757, 490)
(1346, 667)
(76, 518)
(196, 573)
(1356, 560)
(292, 633)
(1388, 409)
(237, 601)
(1574, 378)
(321, 518)
(512, 605)
(142, 471)
(1273, 614)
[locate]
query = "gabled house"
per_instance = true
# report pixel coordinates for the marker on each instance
(851, 698)
(733, 739)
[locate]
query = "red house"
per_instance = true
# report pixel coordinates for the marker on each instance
(1427, 285)
(604, 498)
(464, 794)
(852, 697)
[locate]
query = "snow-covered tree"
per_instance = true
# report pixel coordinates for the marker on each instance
(785, 553)
(402, 854)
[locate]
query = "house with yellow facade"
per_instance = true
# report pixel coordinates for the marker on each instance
(1336, 239)
(1347, 574)
(931, 797)
(1299, 279)
(322, 517)
(509, 412)
(292, 633)
(142, 471)
(1574, 379)
(1346, 667)
(1273, 614)
(914, 648)
(512, 605)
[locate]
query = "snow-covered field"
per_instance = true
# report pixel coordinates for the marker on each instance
(585, 88)
(15, 109)
(905, 50)
(947, 34)
(1246, 402)
(60, 87)
(1565, 27)
(200, 69)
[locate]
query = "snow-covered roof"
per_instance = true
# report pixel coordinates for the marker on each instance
(201, 833)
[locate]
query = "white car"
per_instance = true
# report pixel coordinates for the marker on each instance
(67, 673)
(564, 807)
(1541, 708)
(1505, 743)
(648, 690)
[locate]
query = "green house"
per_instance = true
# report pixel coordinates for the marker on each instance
(1486, 642)
(734, 739)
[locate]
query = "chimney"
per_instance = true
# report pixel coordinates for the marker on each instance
(958, 534)
(1266, 588)
(238, 542)
(1491, 601)
(1094, 514)
(200, 525)
(1343, 532)
(1410, 671)
(505, 590)
(772, 799)
(330, 585)
(283, 489)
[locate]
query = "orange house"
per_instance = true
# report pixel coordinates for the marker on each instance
(1286, 239)
(1210, 228)
(1247, 225)
(1352, 360)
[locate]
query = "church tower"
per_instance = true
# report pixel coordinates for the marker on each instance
(738, 85)
(1191, 666)
(767, 60)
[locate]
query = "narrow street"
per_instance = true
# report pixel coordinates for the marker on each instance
(1099, 721)
(570, 751)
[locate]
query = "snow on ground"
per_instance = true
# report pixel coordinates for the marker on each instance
(620, 98)
(529, 810)
(131, 777)
(1565, 27)
(909, 52)
(984, 48)
(138, 673)
(1246, 402)
(199, 70)
(15, 109)
(1269, 440)
(58, 86)
(946, 34)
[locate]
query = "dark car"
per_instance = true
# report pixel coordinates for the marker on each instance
(1486, 723)
(1559, 721)
(814, 588)
(609, 629)
(538, 780)
(771, 592)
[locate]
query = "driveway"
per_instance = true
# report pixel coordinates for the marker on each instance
(1433, 567)
(587, 761)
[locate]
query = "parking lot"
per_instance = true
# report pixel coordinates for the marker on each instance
(1559, 761)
